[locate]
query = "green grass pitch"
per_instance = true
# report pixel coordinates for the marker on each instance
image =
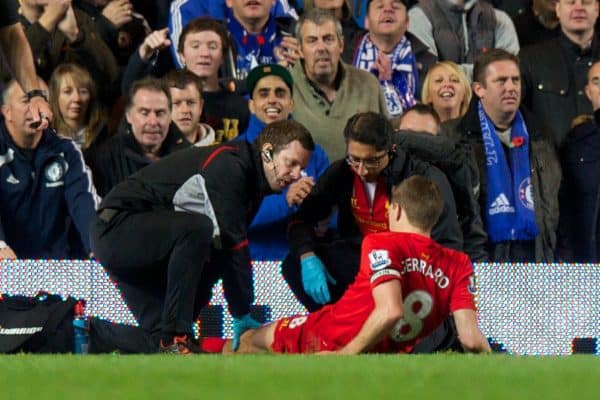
(366, 377)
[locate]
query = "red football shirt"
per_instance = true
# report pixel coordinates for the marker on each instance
(435, 282)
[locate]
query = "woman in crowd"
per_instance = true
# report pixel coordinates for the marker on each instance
(447, 89)
(75, 105)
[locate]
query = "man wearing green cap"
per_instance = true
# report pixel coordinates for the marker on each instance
(270, 89)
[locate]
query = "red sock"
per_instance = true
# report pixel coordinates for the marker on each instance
(212, 344)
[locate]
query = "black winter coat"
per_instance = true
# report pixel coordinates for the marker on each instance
(545, 177)
(554, 75)
(579, 201)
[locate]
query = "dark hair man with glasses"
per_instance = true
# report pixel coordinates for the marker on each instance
(319, 268)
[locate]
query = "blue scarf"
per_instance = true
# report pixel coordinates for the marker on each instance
(509, 204)
(255, 127)
(400, 91)
(253, 49)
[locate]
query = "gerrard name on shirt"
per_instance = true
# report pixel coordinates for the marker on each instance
(417, 265)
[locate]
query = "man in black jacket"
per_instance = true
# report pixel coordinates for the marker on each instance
(519, 172)
(419, 136)
(184, 221)
(147, 136)
(359, 186)
(554, 72)
(579, 239)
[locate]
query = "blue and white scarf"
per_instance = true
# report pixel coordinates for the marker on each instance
(400, 91)
(253, 49)
(509, 205)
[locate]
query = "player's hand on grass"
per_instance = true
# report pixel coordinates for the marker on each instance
(241, 325)
(314, 279)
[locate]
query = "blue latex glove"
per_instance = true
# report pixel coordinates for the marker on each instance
(314, 279)
(241, 325)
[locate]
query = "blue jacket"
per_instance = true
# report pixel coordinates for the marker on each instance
(183, 11)
(267, 232)
(44, 195)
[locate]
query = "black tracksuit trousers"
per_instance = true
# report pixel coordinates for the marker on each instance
(159, 252)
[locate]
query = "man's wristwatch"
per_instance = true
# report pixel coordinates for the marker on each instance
(37, 93)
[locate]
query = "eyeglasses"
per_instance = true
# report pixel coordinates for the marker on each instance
(368, 163)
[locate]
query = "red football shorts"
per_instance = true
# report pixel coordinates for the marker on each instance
(302, 334)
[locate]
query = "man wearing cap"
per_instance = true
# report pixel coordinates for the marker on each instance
(395, 57)
(270, 88)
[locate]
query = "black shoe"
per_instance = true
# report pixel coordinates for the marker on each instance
(181, 345)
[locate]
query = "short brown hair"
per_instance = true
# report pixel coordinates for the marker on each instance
(202, 24)
(423, 109)
(180, 78)
(149, 83)
(318, 17)
(421, 200)
(282, 133)
(484, 59)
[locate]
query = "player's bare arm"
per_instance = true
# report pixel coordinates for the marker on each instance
(388, 310)
(469, 335)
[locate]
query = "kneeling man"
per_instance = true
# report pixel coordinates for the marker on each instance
(183, 220)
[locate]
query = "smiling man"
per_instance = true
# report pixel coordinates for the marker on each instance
(518, 166)
(319, 270)
(326, 90)
(184, 218)
(270, 88)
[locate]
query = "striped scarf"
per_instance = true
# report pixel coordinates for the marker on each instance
(400, 91)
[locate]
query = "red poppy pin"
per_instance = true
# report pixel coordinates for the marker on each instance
(517, 141)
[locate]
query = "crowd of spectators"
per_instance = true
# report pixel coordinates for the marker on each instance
(495, 101)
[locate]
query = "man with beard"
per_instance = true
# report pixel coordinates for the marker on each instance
(319, 269)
